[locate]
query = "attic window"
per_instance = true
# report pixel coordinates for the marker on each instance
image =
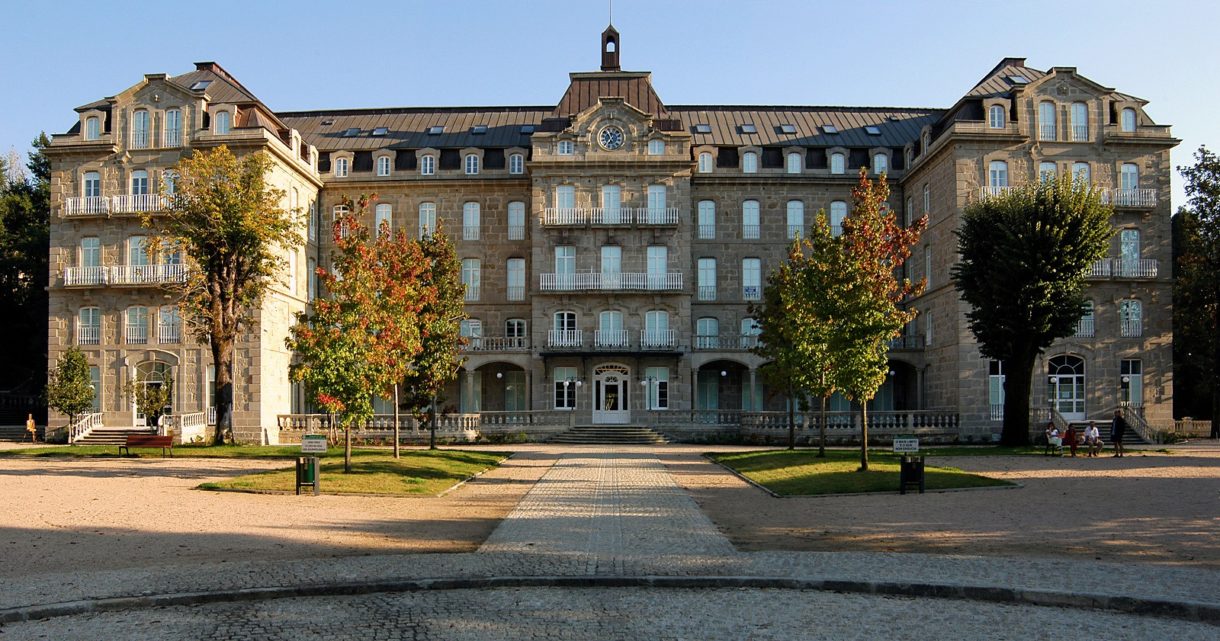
(527, 129)
(478, 130)
(830, 129)
(872, 131)
(381, 131)
(200, 85)
(749, 128)
(1018, 80)
(787, 129)
(436, 130)
(351, 131)
(328, 122)
(703, 128)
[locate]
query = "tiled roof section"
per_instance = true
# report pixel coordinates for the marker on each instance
(897, 125)
(634, 87)
(408, 127)
(224, 88)
(996, 83)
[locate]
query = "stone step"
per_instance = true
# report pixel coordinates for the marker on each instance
(608, 435)
(112, 435)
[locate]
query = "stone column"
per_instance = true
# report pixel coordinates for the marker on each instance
(754, 395)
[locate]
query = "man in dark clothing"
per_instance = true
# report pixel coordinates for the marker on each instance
(1117, 429)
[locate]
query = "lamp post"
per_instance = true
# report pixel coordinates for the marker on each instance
(647, 382)
(571, 381)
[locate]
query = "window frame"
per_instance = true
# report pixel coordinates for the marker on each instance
(838, 163)
(749, 162)
(516, 164)
(342, 167)
(470, 164)
(384, 166)
(996, 117)
(794, 162)
(427, 165)
(222, 123)
(752, 208)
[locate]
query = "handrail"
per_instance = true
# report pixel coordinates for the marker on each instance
(83, 426)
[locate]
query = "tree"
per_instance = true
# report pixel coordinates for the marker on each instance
(69, 389)
(227, 220)
(1024, 258)
(797, 319)
(24, 237)
(151, 397)
(440, 330)
(360, 339)
(870, 311)
(1197, 278)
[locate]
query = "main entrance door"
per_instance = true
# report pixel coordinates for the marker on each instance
(1065, 382)
(610, 385)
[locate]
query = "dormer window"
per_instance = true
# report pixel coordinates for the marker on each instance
(139, 129)
(383, 165)
(341, 167)
(516, 164)
(881, 163)
(1127, 120)
(794, 163)
(838, 163)
(565, 148)
(478, 130)
(749, 163)
(656, 147)
(200, 85)
(472, 164)
(380, 131)
(995, 116)
(705, 162)
(927, 141)
(351, 132)
(93, 128)
(427, 165)
(222, 124)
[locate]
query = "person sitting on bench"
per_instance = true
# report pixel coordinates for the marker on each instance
(1071, 438)
(1053, 439)
(1092, 439)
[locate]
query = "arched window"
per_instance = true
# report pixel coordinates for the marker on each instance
(135, 326)
(223, 123)
(383, 165)
(997, 175)
(472, 164)
(1080, 172)
(705, 162)
(1080, 121)
(750, 227)
(516, 164)
(881, 163)
(1046, 120)
(927, 141)
(707, 333)
(341, 166)
(1127, 120)
(995, 116)
(89, 326)
(427, 219)
(749, 162)
(139, 129)
(610, 332)
(838, 164)
(794, 163)
(1130, 318)
(796, 219)
(383, 215)
(173, 128)
(656, 330)
(93, 128)
(1047, 172)
(470, 221)
(427, 165)
(707, 220)
(838, 211)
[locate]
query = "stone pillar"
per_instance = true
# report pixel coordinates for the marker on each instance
(754, 395)
(529, 390)
(694, 388)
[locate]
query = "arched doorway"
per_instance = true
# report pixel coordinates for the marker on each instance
(151, 375)
(1065, 386)
(725, 385)
(611, 383)
(500, 387)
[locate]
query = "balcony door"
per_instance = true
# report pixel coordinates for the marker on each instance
(612, 266)
(612, 204)
(611, 383)
(1129, 250)
(610, 330)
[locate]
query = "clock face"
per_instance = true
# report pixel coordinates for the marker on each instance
(610, 138)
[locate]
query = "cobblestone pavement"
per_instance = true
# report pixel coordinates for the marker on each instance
(613, 514)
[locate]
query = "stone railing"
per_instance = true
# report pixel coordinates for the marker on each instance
(841, 424)
(83, 426)
(497, 344)
(598, 281)
(186, 427)
(1190, 427)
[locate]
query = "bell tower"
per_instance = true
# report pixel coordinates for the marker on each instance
(610, 49)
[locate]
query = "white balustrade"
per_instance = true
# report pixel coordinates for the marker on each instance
(137, 203)
(1143, 198)
(994, 191)
(88, 335)
(1085, 327)
(1080, 133)
(1046, 132)
(707, 292)
(516, 232)
(591, 281)
(707, 232)
(470, 232)
(148, 274)
(86, 205)
(83, 426)
(658, 339)
(169, 333)
(135, 334)
(173, 137)
(84, 276)
(611, 339)
(556, 216)
(751, 292)
(749, 232)
(565, 338)
(498, 344)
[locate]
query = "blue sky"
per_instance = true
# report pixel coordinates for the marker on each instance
(307, 54)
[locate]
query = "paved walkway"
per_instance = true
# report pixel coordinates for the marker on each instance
(599, 519)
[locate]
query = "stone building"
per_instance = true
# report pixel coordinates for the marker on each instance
(611, 244)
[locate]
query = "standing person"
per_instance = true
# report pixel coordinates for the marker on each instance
(1092, 438)
(32, 428)
(1071, 439)
(1117, 428)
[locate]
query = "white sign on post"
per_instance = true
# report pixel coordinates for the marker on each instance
(313, 444)
(906, 445)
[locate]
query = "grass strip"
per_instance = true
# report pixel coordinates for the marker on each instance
(802, 473)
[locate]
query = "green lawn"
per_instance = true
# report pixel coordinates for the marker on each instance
(802, 473)
(418, 472)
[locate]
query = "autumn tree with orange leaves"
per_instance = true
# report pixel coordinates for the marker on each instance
(360, 340)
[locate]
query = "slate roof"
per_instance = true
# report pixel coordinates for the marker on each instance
(895, 125)
(635, 87)
(408, 127)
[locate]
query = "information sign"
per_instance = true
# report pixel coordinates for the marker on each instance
(313, 444)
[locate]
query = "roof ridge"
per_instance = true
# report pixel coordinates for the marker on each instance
(792, 107)
(388, 111)
(215, 68)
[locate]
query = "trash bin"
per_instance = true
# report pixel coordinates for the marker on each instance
(910, 473)
(307, 473)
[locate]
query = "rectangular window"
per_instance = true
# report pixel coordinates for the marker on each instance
(516, 164)
(656, 204)
(383, 219)
(470, 221)
(472, 164)
(796, 219)
(139, 129)
(657, 380)
(90, 252)
(795, 163)
(169, 325)
(139, 183)
(565, 148)
(565, 260)
(927, 328)
(707, 220)
(995, 389)
(707, 279)
(656, 147)
(1080, 122)
(612, 204)
(927, 266)
(705, 162)
(749, 163)
(1131, 383)
(565, 197)
(516, 220)
(707, 333)
(658, 266)
(89, 326)
(516, 279)
(565, 387)
(750, 228)
(1047, 172)
(751, 279)
(312, 279)
(471, 268)
(137, 253)
(135, 330)
(427, 219)
(1046, 121)
(93, 184)
(93, 128)
(1080, 172)
(95, 381)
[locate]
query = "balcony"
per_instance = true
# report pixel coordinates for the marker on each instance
(610, 216)
(86, 205)
(1080, 133)
(906, 342)
(135, 334)
(750, 232)
(515, 292)
(516, 232)
(470, 232)
(1130, 327)
(137, 203)
(84, 276)
(497, 344)
(707, 292)
(707, 232)
(595, 281)
(994, 191)
(565, 338)
(751, 292)
(88, 335)
(1125, 268)
(1085, 327)
(795, 231)
(580, 216)
(472, 293)
(1046, 132)
(564, 216)
(139, 139)
(169, 333)
(657, 216)
(611, 339)
(1129, 198)
(658, 339)
(725, 342)
(147, 274)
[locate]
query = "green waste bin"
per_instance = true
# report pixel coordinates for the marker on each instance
(307, 473)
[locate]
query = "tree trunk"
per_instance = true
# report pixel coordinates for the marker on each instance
(863, 435)
(1018, 382)
(222, 359)
(822, 430)
(1214, 375)
(432, 425)
(347, 448)
(791, 419)
(397, 454)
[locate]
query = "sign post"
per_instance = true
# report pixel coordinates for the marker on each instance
(307, 466)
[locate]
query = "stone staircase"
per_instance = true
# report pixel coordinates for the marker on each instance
(112, 435)
(18, 433)
(608, 435)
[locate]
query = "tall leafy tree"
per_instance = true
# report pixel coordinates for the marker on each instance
(871, 306)
(359, 340)
(69, 390)
(228, 222)
(1197, 278)
(1024, 258)
(151, 400)
(440, 330)
(24, 238)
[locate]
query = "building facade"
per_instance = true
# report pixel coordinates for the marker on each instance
(611, 245)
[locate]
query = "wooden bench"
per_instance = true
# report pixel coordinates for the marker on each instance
(148, 440)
